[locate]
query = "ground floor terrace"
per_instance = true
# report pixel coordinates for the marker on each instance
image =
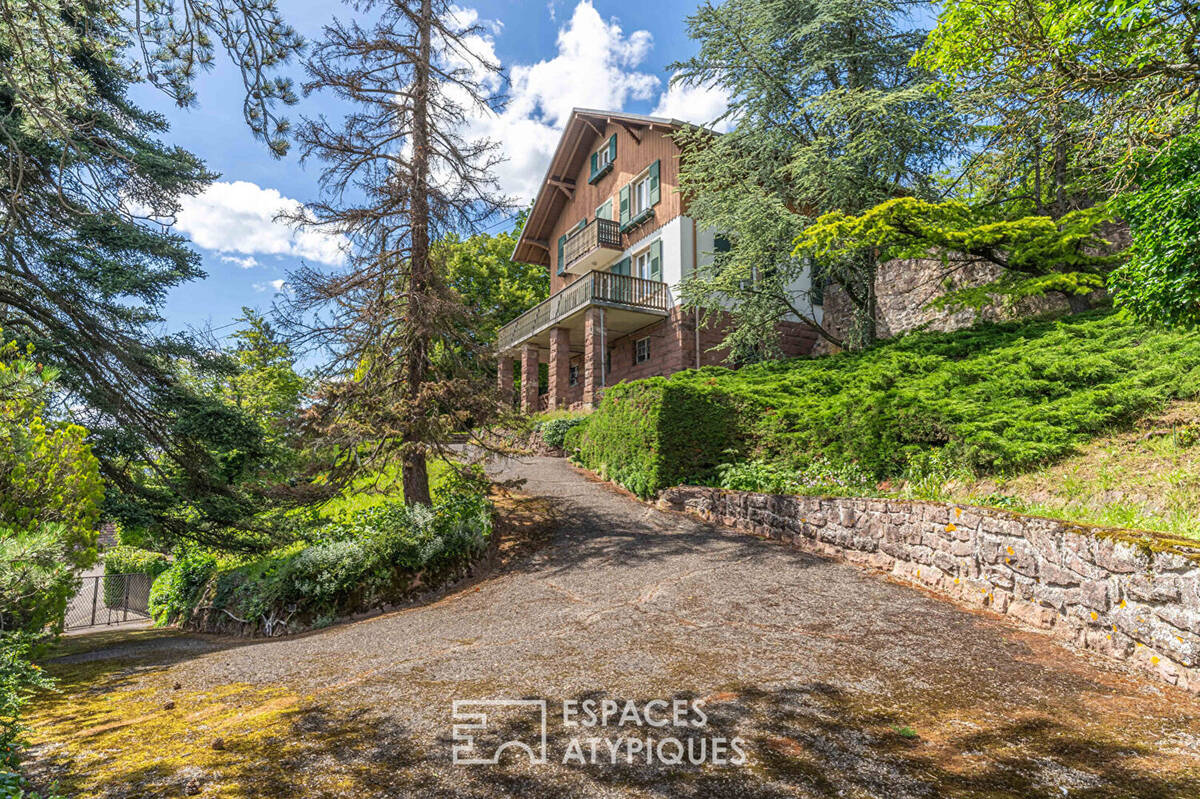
(605, 328)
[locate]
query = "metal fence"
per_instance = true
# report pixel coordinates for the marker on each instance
(109, 599)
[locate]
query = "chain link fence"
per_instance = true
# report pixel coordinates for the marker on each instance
(109, 599)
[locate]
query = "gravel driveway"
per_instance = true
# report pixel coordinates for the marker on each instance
(838, 682)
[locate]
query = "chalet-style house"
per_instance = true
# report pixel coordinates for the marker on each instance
(614, 232)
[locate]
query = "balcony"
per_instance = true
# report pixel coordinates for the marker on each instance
(593, 246)
(631, 303)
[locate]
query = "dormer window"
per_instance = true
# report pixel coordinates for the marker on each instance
(603, 159)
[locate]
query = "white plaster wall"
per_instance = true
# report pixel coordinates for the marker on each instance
(673, 252)
(685, 244)
(705, 252)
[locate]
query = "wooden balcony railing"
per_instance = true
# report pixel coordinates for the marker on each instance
(594, 288)
(599, 234)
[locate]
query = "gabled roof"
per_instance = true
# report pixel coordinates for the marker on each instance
(583, 127)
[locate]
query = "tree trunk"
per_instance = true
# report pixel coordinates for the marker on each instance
(413, 470)
(416, 479)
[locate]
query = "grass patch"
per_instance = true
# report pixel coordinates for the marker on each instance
(386, 485)
(1147, 478)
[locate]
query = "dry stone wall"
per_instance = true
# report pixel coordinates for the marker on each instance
(1132, 596)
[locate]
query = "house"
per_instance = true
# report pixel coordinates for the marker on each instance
(613, 230)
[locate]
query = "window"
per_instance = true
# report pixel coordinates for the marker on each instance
(605, 211)
(646, 264)
(639, 197)
(641, 350)
(562, 244)
(573, 375)
(641, 264)
(641, 194)
(602, 160)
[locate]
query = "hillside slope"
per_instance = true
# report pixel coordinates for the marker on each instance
(912, 415)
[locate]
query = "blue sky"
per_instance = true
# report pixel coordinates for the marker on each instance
(559, 54)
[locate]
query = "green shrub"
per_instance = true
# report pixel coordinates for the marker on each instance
(993, 398)
(653, 433)
(554, 431)
(365, 557)
(50, 494)
(19, 679)
(572, 439)
(175, 593)
(819, 477)
(129, 560)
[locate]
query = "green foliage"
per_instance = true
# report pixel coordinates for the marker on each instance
(19, 679)
(50, 494)
(829, 115)
(653, 433)
(573, 438)
(131, 560)
(175, 593)
(818, 477)
(496, 288)
(86, 262)
(265, 384)
(994, 398)
(554, 431)
(1101, 74)
(368, 556)
(1161, 281)
(1036, 253)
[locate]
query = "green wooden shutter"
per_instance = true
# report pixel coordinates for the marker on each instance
(654, 191)
(621, 267)
(595, 161)
(624, 194)
(562, 241)
(612, 148)
(656, 260)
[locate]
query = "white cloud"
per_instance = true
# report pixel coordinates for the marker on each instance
(596, 66)
(699, 105)
(249, 262)
(239, 217)
(274, 285)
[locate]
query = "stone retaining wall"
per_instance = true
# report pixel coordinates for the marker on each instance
(1133, 596)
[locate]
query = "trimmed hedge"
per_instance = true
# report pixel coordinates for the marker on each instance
(129, 560)
(993, 398)
(653, 433)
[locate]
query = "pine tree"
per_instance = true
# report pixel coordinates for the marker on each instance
(85, 265)
(829, 116)
(399, 175)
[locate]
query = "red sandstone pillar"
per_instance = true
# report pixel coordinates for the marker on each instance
(560, 366)
(529, 378)
(504, 379)
(593, 356)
